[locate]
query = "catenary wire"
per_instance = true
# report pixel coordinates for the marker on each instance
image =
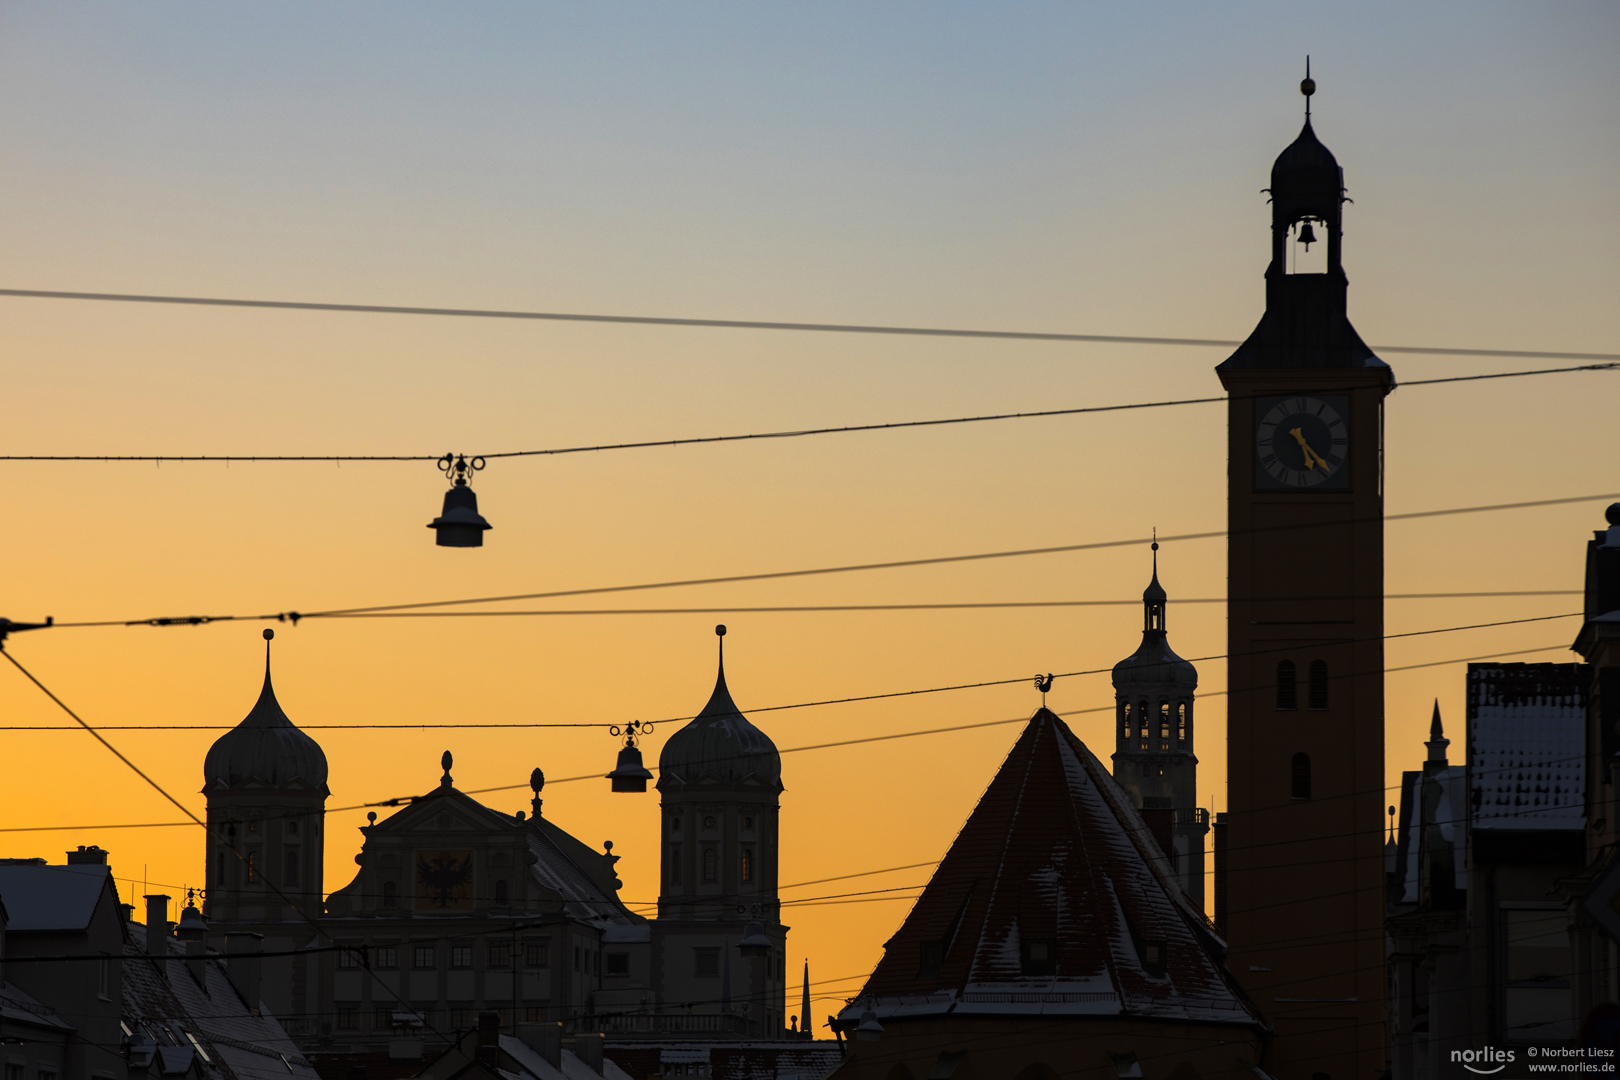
(794, 433)
(850, 700)
(350, 612)
(406, 799)
(741, 324)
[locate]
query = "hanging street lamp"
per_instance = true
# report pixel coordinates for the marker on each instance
(460, 525)
(630, 774)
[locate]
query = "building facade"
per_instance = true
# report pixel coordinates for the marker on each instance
(1153, 756)
(1304, 903)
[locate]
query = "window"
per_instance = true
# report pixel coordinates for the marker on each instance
(253, 826)
(748, 864)
(748, 823)
(931, 956)
(384, 1018)
(14, 1071)
(500, 891)
(1319, 684)
(1037, 956)
(349, 956)
(534, 1014)
(708, 823)
(711, 864)
(1299, 785)
(1287, 692)
(1164, 722)
(537, 954)
(104, 980)
(252, 867)
(500, 955)
(292, 828)
(348, 1018)
(1124, 720)
(1181, 724)
(1142, 723)
(461, 1017)
(386, 956)
(291, 876)
(616, 963)
(675, 864)
(461, 956)
(46, 1074)
(390, 894)
(425, 956)
(1153, 957)
(706, 962)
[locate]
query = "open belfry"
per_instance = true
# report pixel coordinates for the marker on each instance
(1303, 897)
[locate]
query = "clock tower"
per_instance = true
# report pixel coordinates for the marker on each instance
(1305, 581)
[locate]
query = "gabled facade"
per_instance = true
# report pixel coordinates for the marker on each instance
(458, 909)
(1053, 939)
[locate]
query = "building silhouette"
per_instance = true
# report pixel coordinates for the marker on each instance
(1153, 741)
(457, 909)
(1303, 890)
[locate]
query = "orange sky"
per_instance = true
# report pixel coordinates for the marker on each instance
(930, 167)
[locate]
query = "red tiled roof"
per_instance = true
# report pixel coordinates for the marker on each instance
(1054, 899)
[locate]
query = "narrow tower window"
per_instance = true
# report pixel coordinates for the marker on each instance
(711, 864)
(1300, 777)
(253, 868)
(1142, 722)
(291, 876)
(500, 891)
(1125, 720)
(1287, 686)
(1319, 684)
(1181, 724)
(390, 896)
(748, 864)
(674, 864)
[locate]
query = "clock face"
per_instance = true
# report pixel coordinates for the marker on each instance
(1302, 442)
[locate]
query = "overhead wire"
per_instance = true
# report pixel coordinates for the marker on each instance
(793, 433)
(373, 610)
(741, 324)
(403, 800)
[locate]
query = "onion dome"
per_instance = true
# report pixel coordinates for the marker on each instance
(265, 747)
(720, 743)
(1305, 165)
(1154, 665)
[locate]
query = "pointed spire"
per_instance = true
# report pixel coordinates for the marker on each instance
(1154, 596)
(720, 703)
(1437, 738)
(1307, 87)
(804, 1009)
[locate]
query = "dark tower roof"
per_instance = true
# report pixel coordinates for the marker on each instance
(1054, 856)
(720, 742)
(267, 747)
(1306, 324)
(1154, 667)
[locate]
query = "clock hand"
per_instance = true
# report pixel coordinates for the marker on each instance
(1312, 458)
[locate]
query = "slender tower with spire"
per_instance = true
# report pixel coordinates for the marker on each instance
(1153, 737)
(720, 779)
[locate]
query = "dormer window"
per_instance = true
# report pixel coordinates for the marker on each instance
(1037, 956)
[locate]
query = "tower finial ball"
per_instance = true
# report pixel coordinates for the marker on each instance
(269, 633)
(720, 631)
(1612, 514)
(1307, 86)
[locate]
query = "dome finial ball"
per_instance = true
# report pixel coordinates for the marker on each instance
(720, 631)
(1307, 87)
(269, 633)
(1612, 514)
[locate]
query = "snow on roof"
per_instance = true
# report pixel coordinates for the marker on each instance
(41, 897)
(1527, 745)
(164, 1002)
(19, 1006)
(1054, 899)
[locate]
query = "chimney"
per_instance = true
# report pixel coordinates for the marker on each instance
(489, 1040)
(242, 948)
(157, 925)
(87, 856)
(545, 1040)
(1220, 872)
(588, 1048)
